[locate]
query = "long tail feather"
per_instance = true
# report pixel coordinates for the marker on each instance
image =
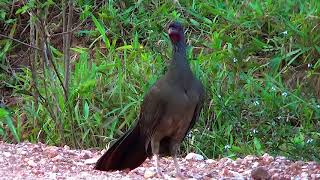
(128, 152)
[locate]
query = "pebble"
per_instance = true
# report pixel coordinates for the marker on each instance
(267, 158)
(149, 173)
(57, 158)
(255, 165)
(6, 154)
(21, 151)
(31, 163)
(55, 169)
(260, 173)
(226, 160)
(66, 147)
(194, 156)
(85, 156)
(210, 161)
(91, 161)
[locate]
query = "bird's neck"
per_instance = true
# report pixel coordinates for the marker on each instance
(179, 61)
(179, 70)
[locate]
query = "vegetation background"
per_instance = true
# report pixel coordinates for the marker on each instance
(75, 71)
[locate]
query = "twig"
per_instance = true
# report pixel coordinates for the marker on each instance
(8, 37)
(67, 32)
(66, 50)
(33, 64)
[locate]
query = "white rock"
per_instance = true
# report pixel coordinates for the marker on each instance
(149, 173)
(210, 161)
(31, 163)
(52, 175)
(55, 169)
(79, 163)
(21, 151)
(6, 154)
(194, 156)
(57, 158)
(226, 160)
(103, 151)
(91, 161)
(201, 165)
(304, 175)
(237, 175)
(255, 165)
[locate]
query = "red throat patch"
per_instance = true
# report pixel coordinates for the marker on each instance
(174, 37)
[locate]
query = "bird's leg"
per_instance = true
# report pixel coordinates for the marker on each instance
(173, 150)
(155, 145)
(176, 165)
(157, 159)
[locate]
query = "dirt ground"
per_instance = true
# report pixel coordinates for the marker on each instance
(39, 161)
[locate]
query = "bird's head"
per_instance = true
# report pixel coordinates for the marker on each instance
(176, 32)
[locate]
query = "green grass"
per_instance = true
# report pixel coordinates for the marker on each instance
(258, 60)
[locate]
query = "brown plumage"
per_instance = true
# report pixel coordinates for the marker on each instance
(169, 110)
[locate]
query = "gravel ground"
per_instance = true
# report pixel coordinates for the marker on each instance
(39, 161)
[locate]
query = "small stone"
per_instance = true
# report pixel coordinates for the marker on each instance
(103, 151)
(66, 147)
(304, 175)
(57, 158)
(149, 173)
(91, 161)
(281, 158)
(267, 158)
(238, 161)
(224, 172)
(87, 152)
(79, 163)
(226, 160)
(255, 165)
(286, 176)
(31, 163)
(202, 165)
(315, 176)
(305, 168)
(52, 155)
(237, 175)
(260, 173)
(86, 156)
(6, 154)
(55, 169)
(36, 172)
(42, 161)
(51, 152)
(210, 161)
(36, 149)
(194, 156)
(275, 176)
(250, 158)
(21, 151)
(138, 170)
(247, 172)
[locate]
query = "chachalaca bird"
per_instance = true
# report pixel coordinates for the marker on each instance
(169, 110)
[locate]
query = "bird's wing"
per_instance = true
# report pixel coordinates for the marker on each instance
(152, 110)
(198, 107)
